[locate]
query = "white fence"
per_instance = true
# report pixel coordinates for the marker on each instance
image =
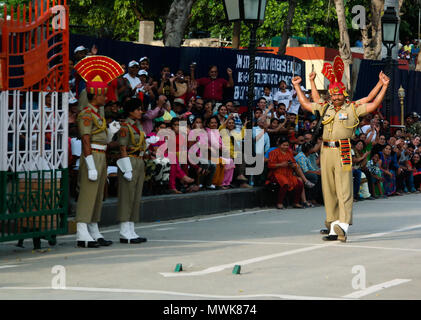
(33, 130)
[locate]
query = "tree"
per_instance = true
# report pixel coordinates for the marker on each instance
(176, 22)
(372, 34)
(287, 27)
(344, 43)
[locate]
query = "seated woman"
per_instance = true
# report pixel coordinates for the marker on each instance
(205, 169)
(176, 173)
(222, 113)
(388, 167)
(233, 139)
(376, 175)
(281, 170)
(157, 167)
(359, 162)
(416, 167)
(224, 165)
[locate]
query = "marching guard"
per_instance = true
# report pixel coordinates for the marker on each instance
(131, 173)
(340, 118)
(97, 71)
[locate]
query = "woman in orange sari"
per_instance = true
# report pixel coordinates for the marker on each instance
(281, 170)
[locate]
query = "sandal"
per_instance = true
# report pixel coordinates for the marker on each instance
(308, 205)
(280, 206)
(297, 206)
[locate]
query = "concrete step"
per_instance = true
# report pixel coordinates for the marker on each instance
(177, 206)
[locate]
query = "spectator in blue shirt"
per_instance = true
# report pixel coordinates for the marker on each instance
(311, 173)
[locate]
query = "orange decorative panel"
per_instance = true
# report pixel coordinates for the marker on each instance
(35, 47)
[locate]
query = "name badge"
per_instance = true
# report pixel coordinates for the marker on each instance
(343, 116)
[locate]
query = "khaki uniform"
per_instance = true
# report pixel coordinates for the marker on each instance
(130, 192)
(91, 121)
(337, 176)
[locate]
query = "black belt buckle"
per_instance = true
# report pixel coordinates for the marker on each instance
(327, 144)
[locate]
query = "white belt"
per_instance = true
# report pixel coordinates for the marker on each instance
(98, 146)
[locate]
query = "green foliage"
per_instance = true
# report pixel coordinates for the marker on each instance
(208, 15)
(117, 19)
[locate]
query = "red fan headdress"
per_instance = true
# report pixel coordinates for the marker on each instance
(334, 75)
(98, 71)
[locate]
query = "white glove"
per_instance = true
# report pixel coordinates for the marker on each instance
(126, 167)
(151, 140)
(92, 173)
(113, 128)
(128, 175)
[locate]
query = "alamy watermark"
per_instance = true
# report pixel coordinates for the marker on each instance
(59, 280)
(59, 20)
(212, 146)
(359, 281)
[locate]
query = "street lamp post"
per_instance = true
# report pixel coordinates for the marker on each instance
(389, 32)
(401, 94)
(252, 12)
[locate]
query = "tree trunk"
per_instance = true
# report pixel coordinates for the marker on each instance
(418, 67)
(176, 22)
(344, 44)
(373, 44)
(287, 27)
(236, 32)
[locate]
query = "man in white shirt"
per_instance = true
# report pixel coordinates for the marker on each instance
(134, 80)
(295, 104)
(283, 95)
(279, 113)
(370, 129)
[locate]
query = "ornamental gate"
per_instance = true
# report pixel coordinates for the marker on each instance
(34, 85)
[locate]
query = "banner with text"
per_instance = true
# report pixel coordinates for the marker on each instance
(269, 70)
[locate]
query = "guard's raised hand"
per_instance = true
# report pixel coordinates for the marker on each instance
(296, 80)
(312, 76)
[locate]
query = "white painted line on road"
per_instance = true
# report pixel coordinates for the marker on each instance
(164, 229)
(196, 219)
(242, 263)
(9, 266)
(376, 288)
(381, 234)
(174, 293)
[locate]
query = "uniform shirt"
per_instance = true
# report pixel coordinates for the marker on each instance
(125, 137)
(283, 97)
(342, 121)
(91, 119)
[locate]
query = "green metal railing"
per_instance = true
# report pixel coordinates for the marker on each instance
(33, 204)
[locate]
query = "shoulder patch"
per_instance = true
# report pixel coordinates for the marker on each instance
(123, 132)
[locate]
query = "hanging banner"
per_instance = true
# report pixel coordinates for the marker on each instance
(269, 71)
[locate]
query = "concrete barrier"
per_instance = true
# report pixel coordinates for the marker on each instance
(169, 207)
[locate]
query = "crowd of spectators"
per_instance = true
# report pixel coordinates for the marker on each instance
(386, 161)
(409, 51)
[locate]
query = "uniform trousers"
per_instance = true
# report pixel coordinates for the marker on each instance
(130, 192)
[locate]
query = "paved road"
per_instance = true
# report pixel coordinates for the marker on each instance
(281, 255)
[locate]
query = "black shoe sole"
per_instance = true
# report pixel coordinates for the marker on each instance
(324, 231)
(340, 232)
(330, 238)
(134, 241)
(90, 244)
(104, 243)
